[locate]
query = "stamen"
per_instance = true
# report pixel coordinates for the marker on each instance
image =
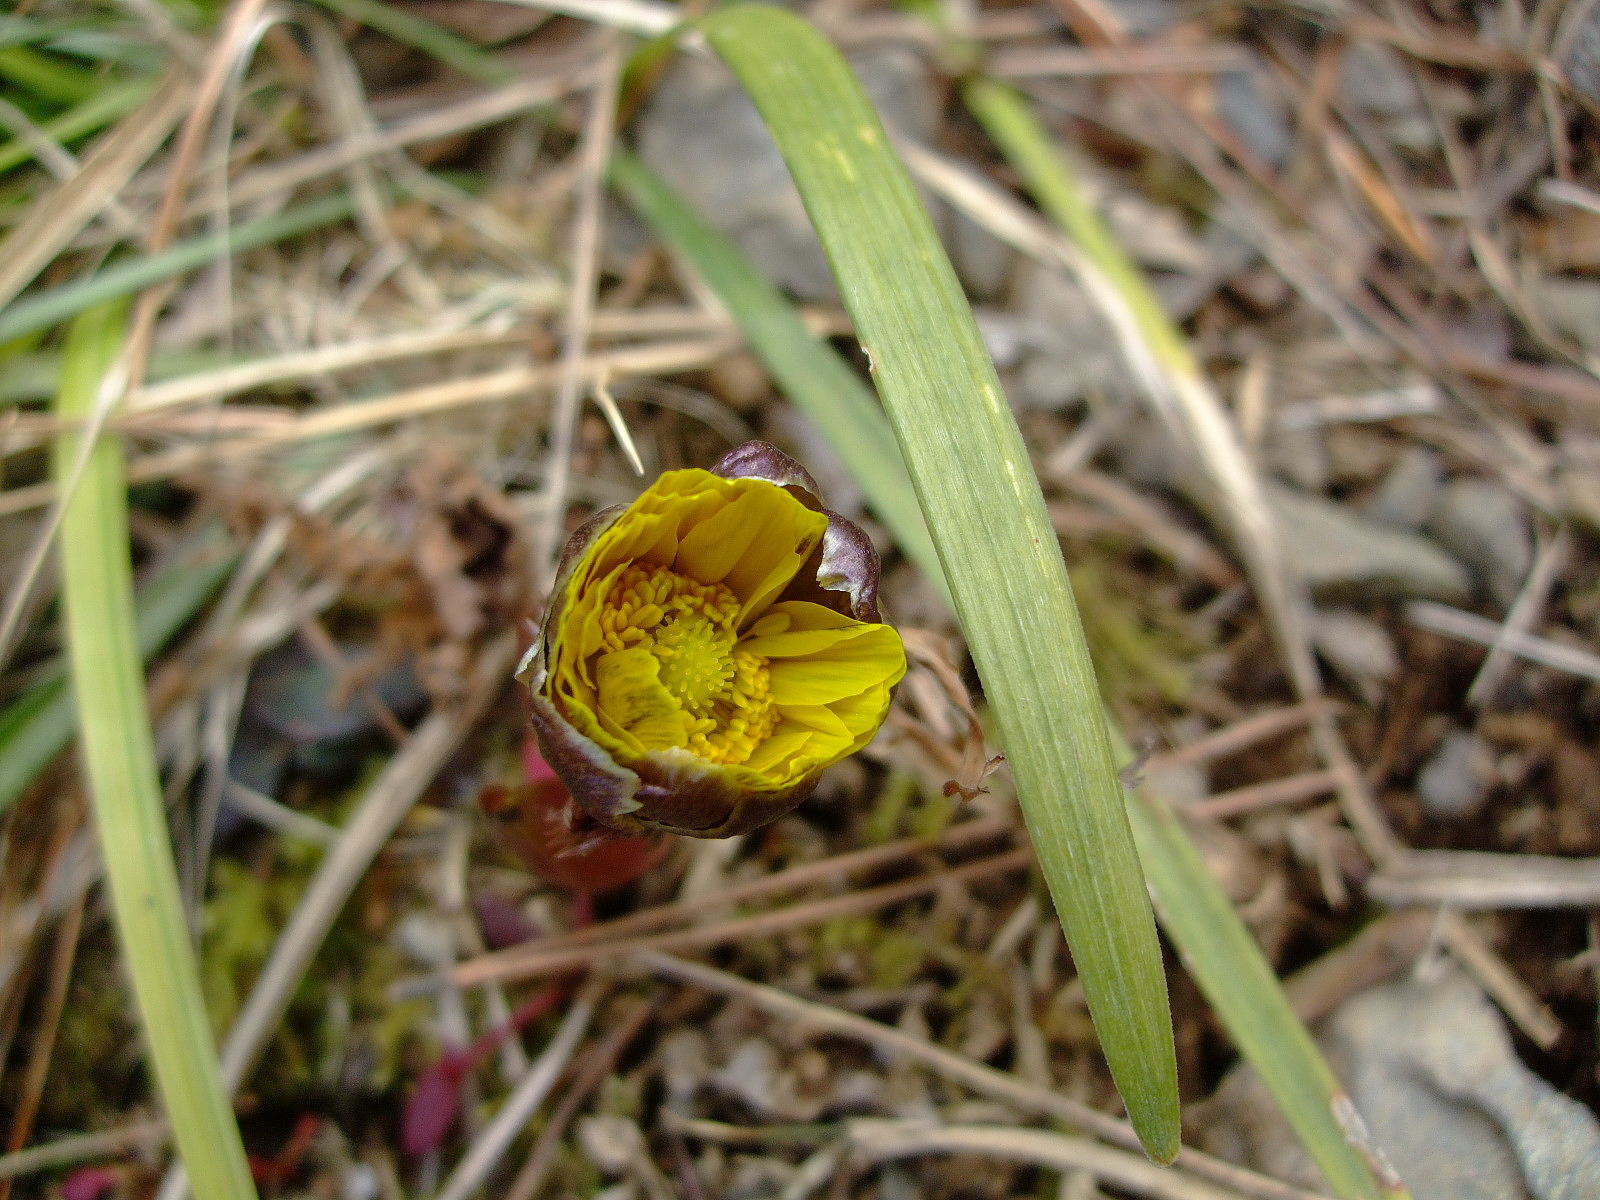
(689, 628)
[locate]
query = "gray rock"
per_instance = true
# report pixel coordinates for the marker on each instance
(1180, 785)
(756, 1079)
(1445, 1099)
(1336, 552)
(1486, 526)
(1358, 648)
(1433, 1072)
(1572, 305)
(1582, 45)
(1256, 117)
(705, 138)
(1072, 351)
(612, 1143)
(1410, 491)
(1004, 335)
(360, 1182)
(983, 261)
(1299, 456)
(1147, 16)
(1454, 783)
(1376, 79)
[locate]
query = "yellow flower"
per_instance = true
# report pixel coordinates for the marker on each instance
(710, 648)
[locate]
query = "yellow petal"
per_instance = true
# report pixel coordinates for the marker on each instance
(754, 545)
(774, 758)
(633, 703)
(859, 659)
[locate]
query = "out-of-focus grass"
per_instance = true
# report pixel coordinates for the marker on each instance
(102, 643)
(39, 724)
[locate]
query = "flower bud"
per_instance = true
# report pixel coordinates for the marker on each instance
(709, 649)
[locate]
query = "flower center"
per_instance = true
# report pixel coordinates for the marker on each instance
(723, 690)
(696, 658)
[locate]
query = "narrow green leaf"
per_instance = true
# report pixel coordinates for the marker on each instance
(97, 589)
(99, 110)
(1225, 961)
(46, 76)
(1006, 118)
(431, 39)
(39, 724)
(42, 310)
(810, 372)
(1213, 942)
(987, 516)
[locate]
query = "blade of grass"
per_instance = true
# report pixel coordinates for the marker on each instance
(1214, 943)
(1194, 912)
(97, 587)
(815, 377)
(46, 76)
(55, 218)
(45, 309)
(94, 113)
(1222, 956)
(40, 723)
(987, 517)
(431, 39)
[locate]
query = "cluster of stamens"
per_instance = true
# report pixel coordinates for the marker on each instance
(689, 628)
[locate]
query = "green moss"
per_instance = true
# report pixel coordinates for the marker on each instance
(896, 959)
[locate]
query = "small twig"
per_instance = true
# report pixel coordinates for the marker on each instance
(594, 153)
(512, 383)
(895, 1043)
(619, 427)
(1465, 879)
(644, 17)
(1525, 612)
(596, 1066)
(524, 1101)
(806, 874)
(887, 1141)
(522, 962)
(1256, 796)
(1035, 62)
(1496, 977)
(545, 82)
(64, 1152)
(1452, 622)
(279, 817)
(1236, 738)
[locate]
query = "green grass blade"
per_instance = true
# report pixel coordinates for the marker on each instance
(97, 587)
(1006, 118)
(815, 377)
(45, 309)
(425, 36)
(1215, 945)
(1225, 961)
(987, 516)
(39, 724)
(105, 106)
(46, 76)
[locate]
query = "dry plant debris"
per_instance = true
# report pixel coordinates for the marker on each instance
(1378, 226)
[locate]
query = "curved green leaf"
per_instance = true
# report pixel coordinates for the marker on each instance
(987, 516)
